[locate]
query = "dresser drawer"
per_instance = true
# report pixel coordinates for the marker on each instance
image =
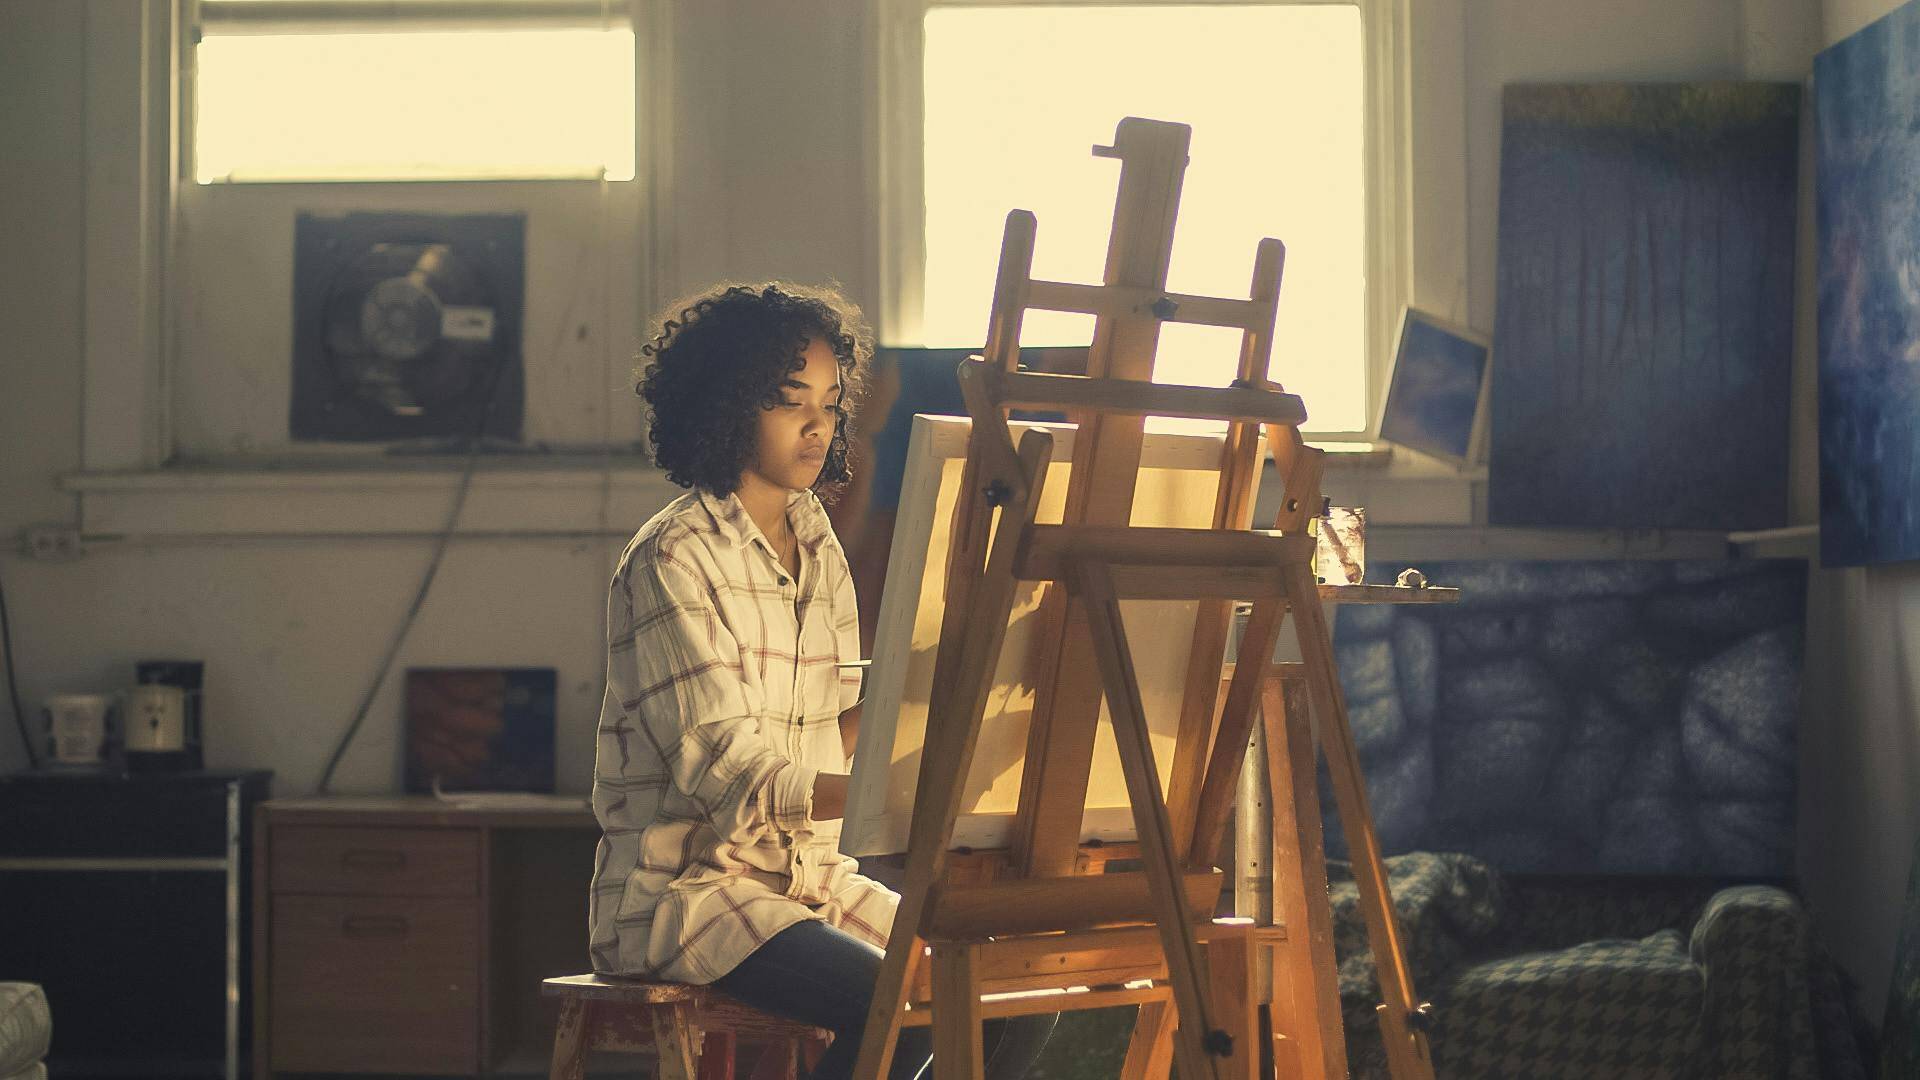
(325, 859)
(376, 984)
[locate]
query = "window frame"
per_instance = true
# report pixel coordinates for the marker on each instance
(129, 481)
(897, 118)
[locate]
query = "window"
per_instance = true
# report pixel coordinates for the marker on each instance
(353, 90)
(1012, 96)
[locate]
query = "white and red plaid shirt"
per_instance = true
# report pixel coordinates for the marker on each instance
(723, 703)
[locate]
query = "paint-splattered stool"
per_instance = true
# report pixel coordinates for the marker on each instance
(695, 1030)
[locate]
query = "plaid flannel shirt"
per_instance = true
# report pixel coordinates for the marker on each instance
(722, 704)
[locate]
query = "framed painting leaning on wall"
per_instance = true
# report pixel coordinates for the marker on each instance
(1436, 401)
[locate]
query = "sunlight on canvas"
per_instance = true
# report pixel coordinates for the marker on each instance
(1015, 99)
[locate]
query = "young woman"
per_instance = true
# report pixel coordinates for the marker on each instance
(728, 728)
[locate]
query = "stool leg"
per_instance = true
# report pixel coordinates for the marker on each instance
(673, 1041)
(717, 1056)
(570, 1041)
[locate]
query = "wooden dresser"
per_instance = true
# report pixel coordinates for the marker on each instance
(409, 935)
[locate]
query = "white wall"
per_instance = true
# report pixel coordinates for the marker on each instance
(41, 220)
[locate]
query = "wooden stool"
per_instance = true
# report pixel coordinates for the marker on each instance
(694, 1029)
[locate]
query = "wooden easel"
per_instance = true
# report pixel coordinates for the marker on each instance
(973, 930)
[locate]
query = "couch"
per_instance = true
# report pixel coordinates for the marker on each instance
(1604, 977)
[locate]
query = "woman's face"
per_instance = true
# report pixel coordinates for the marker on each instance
(795, 434)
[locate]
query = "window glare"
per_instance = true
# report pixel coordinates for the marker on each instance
(474, 104)
(1016, 97)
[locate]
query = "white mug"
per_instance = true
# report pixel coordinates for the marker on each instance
(77, 727)
(155, 718)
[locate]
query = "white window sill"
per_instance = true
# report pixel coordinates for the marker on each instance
(580, 495)
(1415, 513)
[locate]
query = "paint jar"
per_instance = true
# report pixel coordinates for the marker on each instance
(1340, 545)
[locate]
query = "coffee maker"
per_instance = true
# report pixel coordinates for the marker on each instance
(161, 721)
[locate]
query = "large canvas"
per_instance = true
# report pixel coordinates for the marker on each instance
(1867, 108)
(1177, 484)
(1645, 318)
(1623, 716)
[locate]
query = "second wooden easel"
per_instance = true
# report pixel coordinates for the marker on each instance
(982, 935)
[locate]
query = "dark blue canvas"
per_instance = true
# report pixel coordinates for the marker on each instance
(1435, 390)
(1618, 716)
(1867, 110)
(1645, 327)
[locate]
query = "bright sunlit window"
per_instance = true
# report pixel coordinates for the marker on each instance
(1015, 97)
(415, 105)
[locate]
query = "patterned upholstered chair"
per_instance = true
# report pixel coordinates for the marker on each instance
(25, 1031)
(1580, 978)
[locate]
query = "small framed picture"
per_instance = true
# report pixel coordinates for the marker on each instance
(1436, 400)
(480, 729)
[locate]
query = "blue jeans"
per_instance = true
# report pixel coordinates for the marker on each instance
(823, 976)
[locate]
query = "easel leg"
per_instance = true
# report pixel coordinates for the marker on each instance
(1150, 1050)
(1306, 977)
(1407, 1053)
(956, 1013)
(1198, 1044)
(1236, 1004)
(1235, 727)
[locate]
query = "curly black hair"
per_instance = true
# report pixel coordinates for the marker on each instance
(722, 355)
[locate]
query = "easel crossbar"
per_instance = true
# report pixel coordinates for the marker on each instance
(1039, 905)
(1119, 300)
(1047, 551)
(1036, 390)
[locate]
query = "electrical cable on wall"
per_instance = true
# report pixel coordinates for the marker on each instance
(426, 583)
(473, 446)
(13, 684)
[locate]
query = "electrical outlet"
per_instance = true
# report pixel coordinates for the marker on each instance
(52, 542)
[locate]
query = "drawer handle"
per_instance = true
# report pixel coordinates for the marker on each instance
(374, 926)
(364, 859)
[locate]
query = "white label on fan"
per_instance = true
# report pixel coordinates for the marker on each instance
(466, 323)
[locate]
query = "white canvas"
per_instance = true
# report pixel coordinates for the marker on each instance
(1177, 485)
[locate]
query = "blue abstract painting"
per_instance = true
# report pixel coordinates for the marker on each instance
(1620, 716)
(1867, 112)
(1434, 397)
(1644, 330)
